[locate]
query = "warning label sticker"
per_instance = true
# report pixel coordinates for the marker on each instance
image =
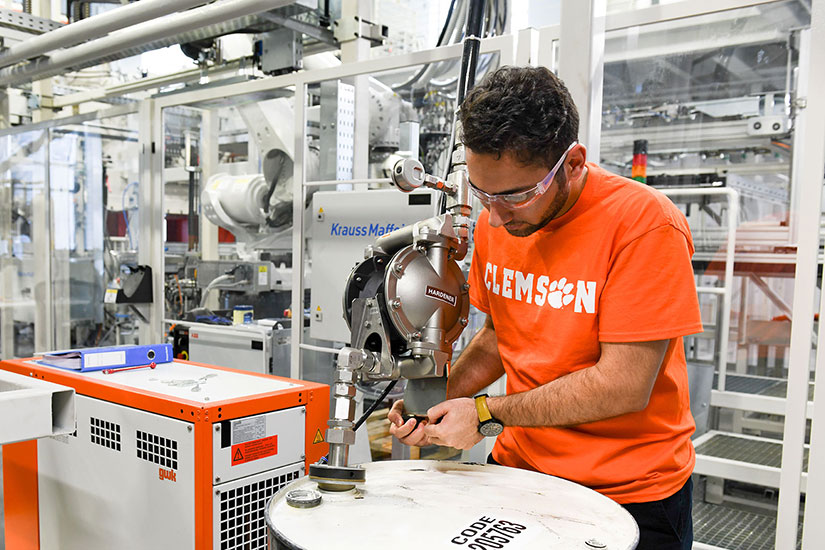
(254, 450)
(248, 429)
(319, 438)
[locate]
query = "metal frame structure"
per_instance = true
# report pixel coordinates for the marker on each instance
(581, 65)
(25, 24)
(47, 409)
(812, 143)
(726, 292)
(47, 318)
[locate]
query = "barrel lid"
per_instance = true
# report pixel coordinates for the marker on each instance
(415, 504)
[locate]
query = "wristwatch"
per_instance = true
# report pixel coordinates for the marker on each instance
(487, 425)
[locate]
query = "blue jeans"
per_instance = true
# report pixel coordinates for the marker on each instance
(665, 524)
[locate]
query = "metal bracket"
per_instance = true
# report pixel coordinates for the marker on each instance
(366, 322)
(347, 30)
(318, 33)
(27, 22)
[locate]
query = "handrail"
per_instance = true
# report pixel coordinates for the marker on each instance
(733, 220)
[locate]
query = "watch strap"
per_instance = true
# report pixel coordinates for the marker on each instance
(482, 409)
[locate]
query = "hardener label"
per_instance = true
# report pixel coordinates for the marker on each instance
(442, 295)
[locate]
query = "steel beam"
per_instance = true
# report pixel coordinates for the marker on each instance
(814, 145)
(581, 65)
(810, 141)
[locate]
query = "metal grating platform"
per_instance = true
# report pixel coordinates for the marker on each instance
(735, 529)
(741, 449)
(754, 385)
(748, 384)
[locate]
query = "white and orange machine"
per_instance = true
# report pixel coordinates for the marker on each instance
(180, 456)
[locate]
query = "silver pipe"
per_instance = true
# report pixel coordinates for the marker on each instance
(107, 48)
(338, 455)
(93, 27)
(395, 241)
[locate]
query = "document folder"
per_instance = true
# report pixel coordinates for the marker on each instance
(91, 359)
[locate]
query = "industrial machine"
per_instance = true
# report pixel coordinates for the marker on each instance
(179, 455)
(261, 347)
(343, 225)
(249, 193)
(405, 304)
(408, 301)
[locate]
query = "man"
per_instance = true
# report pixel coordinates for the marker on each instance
(588, 288)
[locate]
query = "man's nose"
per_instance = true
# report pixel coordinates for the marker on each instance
(499, 215)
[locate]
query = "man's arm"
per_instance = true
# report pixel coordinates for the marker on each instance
(478, 366)
(619, 383)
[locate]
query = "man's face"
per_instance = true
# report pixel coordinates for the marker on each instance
(506, 174)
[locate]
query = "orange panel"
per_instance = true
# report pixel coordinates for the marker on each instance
(317, 417)
(164, 404)
(203, 486)
(20, 496)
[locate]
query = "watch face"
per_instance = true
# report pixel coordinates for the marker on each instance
(491, 428)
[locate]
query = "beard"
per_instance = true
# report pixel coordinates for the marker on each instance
(521, 229)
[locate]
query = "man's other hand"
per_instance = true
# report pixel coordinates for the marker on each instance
(454, 423)
(410, 432)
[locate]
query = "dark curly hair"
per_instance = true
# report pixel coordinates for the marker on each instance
(526, 111)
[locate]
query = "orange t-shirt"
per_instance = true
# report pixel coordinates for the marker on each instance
(614, 268)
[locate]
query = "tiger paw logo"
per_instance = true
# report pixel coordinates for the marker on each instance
(560, 293)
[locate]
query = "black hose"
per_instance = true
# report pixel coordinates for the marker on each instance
(325, 19)
(504, 18)
(374, 405)
(441, 37)
(475, 18)
(469, 58)
(446, 24)
(471, 70)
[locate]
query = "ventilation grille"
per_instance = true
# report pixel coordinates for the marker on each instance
(160, 450)
(242, 512)
(106, 434)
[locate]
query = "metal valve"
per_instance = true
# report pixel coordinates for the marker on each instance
(408, 174)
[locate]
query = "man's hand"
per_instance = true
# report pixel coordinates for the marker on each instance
(410, 432)
(454, 423)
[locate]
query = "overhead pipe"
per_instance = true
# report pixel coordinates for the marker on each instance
(93, 27)
(107, 48)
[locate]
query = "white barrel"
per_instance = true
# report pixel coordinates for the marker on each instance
(415, 504)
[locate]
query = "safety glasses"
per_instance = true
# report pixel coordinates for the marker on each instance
(521, 199)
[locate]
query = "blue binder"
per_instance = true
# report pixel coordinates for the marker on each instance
(113, 357)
